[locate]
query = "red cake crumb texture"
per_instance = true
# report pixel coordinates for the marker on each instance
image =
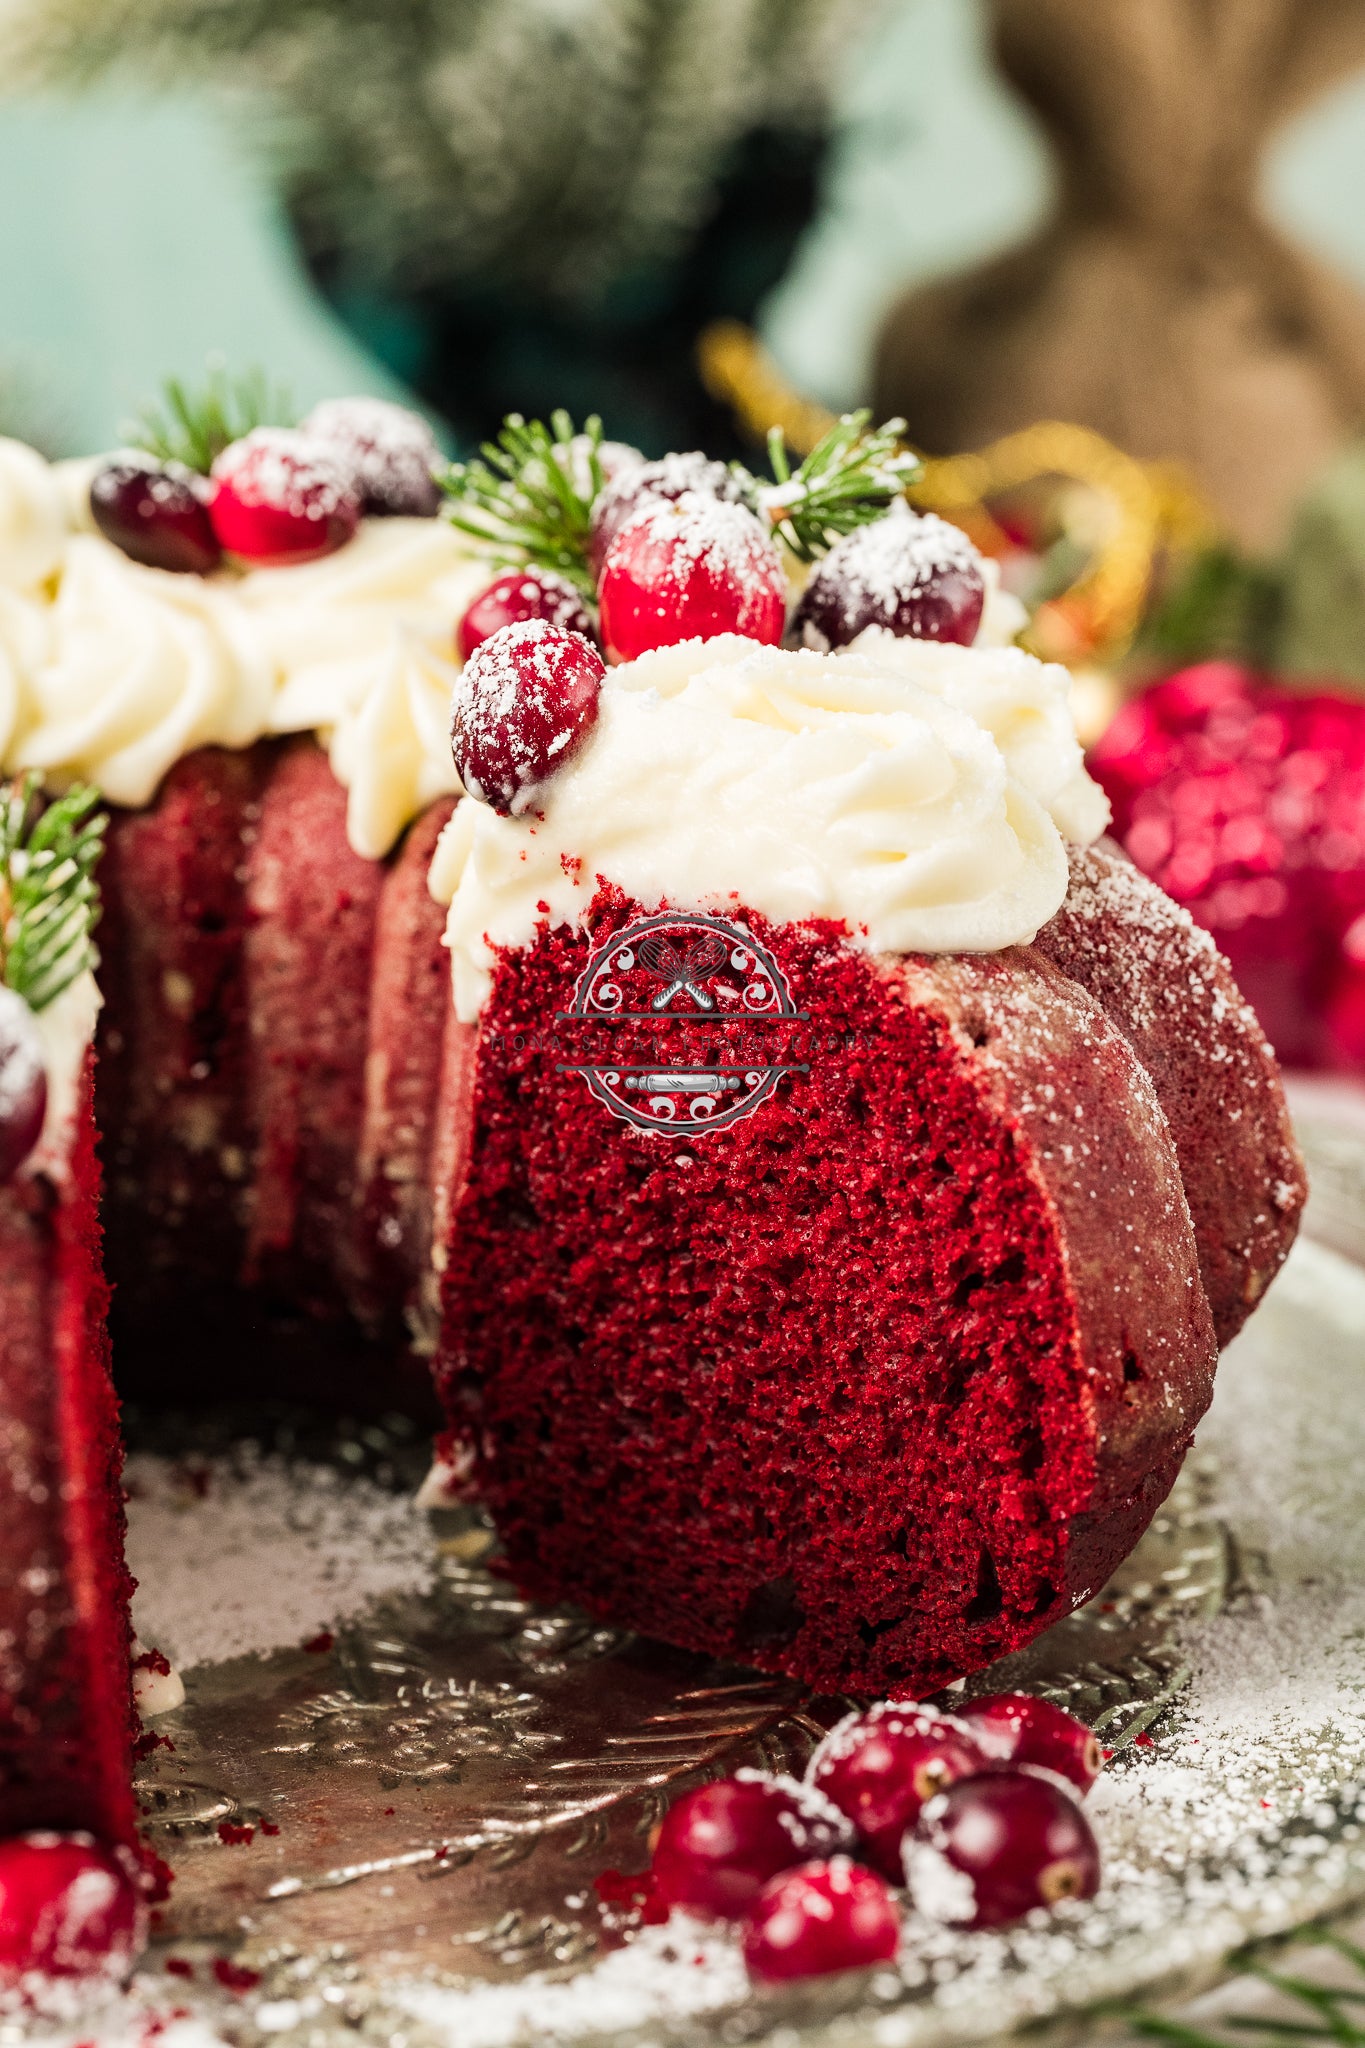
(1246, 804)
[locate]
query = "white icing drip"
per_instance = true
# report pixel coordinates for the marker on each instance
(917, 793)
(66, 1030)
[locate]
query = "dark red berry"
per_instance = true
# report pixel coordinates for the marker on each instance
(1015, 1728)
(529, 593)
(389, 453)
(23, 1083)
(880, 1767)
(281, 497)
(688, 571)
(157, 513)
(68, 1908)
(910, 573)
(522, 703)
(632, 485)
(614, 458)
(992, 1848)
(819, 1918)
(718, 1847)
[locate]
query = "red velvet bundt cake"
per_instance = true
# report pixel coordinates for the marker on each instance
(828, 1185)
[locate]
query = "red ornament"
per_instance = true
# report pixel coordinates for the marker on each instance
(523, 702)
(688, 571)
(156, 513)
(68, 1908)
(720, 1845)
(1016, 1728)
(281, 497)
(820, 1918)
(992, 1848)
(529, 593)
(882, 1766)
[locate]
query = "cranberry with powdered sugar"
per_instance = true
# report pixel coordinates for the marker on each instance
(719, 1846)
(389, 451)
(69, 1908)
(523, 702)
(529, 593)
(996, 1847)
(631, 486)
(688, 571)
(156, 513)
(819, 1919)
(880, 1767)
(1016, 1728)
(910, 573)
(23, 1083)
(282, 497)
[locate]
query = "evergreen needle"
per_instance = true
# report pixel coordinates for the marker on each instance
(194, 427)
(528, 495)
(850, 477)
(49, 900)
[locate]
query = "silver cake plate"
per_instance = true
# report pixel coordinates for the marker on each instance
(396, 1838)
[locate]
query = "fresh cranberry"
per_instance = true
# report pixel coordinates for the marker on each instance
(23, 1083)
(910, 573)
(992, 1848)
(522, 703)
(614, 458)
(820, 1918)
(719, 1845)
(633, 485)
(1015, 1728)
(156, 513)
(880, 1767)
(282, 497)
(68, 1908)
(529, 593)
(687, 571)
(389, 452)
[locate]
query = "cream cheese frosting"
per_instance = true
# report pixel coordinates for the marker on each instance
(65, 1030)
(920, 794)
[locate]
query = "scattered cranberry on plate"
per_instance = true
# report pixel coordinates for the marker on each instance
(529, 593)
(881, 1767)
(282, 497)
(156, 513)
(1016, 1728)
(68, 1908)
(522, 704)
(23, 1083)
(687, 570)
(992, 1848)
(719, 1846)
(911, 573)
(819, 1918)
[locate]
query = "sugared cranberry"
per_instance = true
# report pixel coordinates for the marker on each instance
(529, 593)
(992, 1848)
(910, 573)
(632, 485)
(880, 1767)
(1015, 1728)
(68, 1908)
(157, 513)
(614, 458)
(388, 451)
(820, 1918)
(23, 1083)
(687, 571)
(522, 703)
(720, 1845)
(282, 497)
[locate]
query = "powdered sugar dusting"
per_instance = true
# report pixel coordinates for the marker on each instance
(286, 471)
(873, 575)
(523, 701)
(389, 451)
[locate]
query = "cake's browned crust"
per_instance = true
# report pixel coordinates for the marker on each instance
(1163, 982)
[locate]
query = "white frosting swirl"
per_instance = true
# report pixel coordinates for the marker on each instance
(32, 517)
(918, 796)
(65, 1030)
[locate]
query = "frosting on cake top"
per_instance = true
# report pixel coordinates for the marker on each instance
(920, 793)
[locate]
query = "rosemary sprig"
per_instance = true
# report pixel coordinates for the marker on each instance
(194, 427)
(528, 495)
(850, 477)
(49, 899)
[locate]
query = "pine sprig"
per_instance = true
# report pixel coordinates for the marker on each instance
(528, 496)
(850, 477)
(49, 900)
(194, 427)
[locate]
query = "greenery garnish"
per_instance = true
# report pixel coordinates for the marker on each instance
(528, 496)
(49, 900)
(1321, 2012)
(194, 427)
(851, 476)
